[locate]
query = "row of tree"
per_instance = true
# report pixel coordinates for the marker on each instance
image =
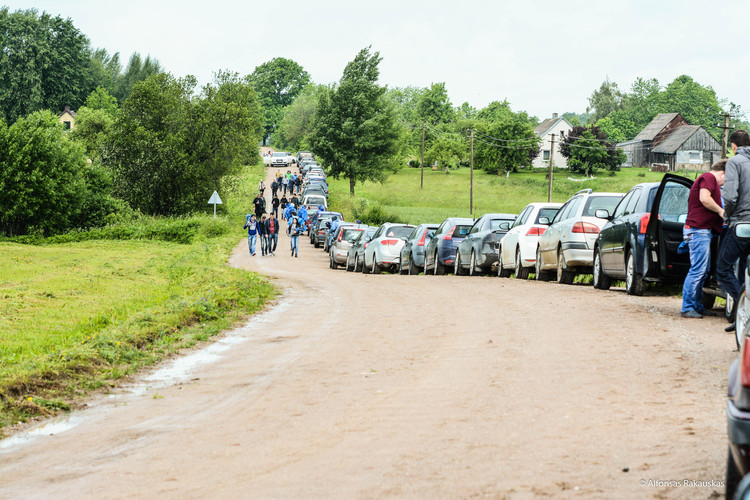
(47, 63)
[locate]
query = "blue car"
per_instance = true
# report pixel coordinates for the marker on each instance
(441, 249)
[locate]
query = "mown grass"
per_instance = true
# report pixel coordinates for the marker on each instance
(447, 195)
(79, 311)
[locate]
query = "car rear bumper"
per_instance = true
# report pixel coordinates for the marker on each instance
(577, 254)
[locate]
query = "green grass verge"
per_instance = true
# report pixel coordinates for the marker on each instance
(79, 311)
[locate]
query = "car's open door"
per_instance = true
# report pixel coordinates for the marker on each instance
(664, 230)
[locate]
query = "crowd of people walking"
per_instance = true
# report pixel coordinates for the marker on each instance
(263, 227)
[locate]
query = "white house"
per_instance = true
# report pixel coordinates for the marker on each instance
(558, 126)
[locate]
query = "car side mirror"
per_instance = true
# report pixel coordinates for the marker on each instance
(431, 234)
(504, 226)
(602, 214)
(742, 231)
(544, 220)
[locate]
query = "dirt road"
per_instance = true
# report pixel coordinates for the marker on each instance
(359, 386)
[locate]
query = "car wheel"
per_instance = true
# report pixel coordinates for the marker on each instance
(334, 264)
(473, 271)
(364, 266)
(438, 268)
(317, 245)
(564, 276)
(601, 280)
(457, 265)
(522, 273)
(347, 263)
(540, 274)
(741, 317)
(356, 264)
(633, 280)
(502, 271)
(412, 267)
(709, 301)
(733, 476)
(375, 268)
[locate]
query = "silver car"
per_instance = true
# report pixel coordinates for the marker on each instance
(384, 250)
(342, 241)
(566, 248)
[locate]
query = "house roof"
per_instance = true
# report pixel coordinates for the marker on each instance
(676, 139)
(656, 126)
(69, 111)
(548, 124)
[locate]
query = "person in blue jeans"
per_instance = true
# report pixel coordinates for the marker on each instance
(705, 219)
(737, 206)
(294, 229)
(251, 224)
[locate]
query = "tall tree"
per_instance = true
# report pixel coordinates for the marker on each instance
(170, 148)
(356, 131)
(698, 104)
(44, 64)
(137, 70)
(587, 149)
(277, 82)
(297, 121)
(42, 181)
(607, 99)
(504, 145)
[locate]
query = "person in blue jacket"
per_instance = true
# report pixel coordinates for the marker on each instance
(288, 211)
(335, 223)
(251, 224)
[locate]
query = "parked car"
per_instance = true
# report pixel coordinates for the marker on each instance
(356, 252)
(566, 248)
(342, 241)
(478, 251)
(441, 249)
(329, 239)
(319, 230)
(311, 201)
(517, 252)
(305, 155)
(738, 392)
(384, 248)
(639, 241)
(411, 259)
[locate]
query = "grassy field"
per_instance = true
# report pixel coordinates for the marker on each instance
(77, 316)
(447, 195)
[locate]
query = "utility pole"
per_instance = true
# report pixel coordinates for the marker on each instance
(421, 180)
(471, 188)
(551, 156)
(725, 141)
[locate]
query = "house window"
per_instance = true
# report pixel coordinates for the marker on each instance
(66, 125)
(696, 157)
(545, 155)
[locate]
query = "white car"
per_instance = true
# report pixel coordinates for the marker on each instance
(282, 159)
(384, 249)
(517, 253)
(567, 246)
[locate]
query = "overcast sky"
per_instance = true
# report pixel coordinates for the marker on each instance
(542, 56)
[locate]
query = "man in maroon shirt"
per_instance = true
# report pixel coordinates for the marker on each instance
(704, 220)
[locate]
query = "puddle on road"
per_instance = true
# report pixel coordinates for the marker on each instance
(174, 372)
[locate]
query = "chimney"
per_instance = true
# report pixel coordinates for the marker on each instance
(554, 115)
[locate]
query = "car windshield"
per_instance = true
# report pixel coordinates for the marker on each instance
(495, 223)
(316, 200)
(351, 234)
(461, 231)
(399, 231)
(547, 212)
(605, 202)
(277, 155)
